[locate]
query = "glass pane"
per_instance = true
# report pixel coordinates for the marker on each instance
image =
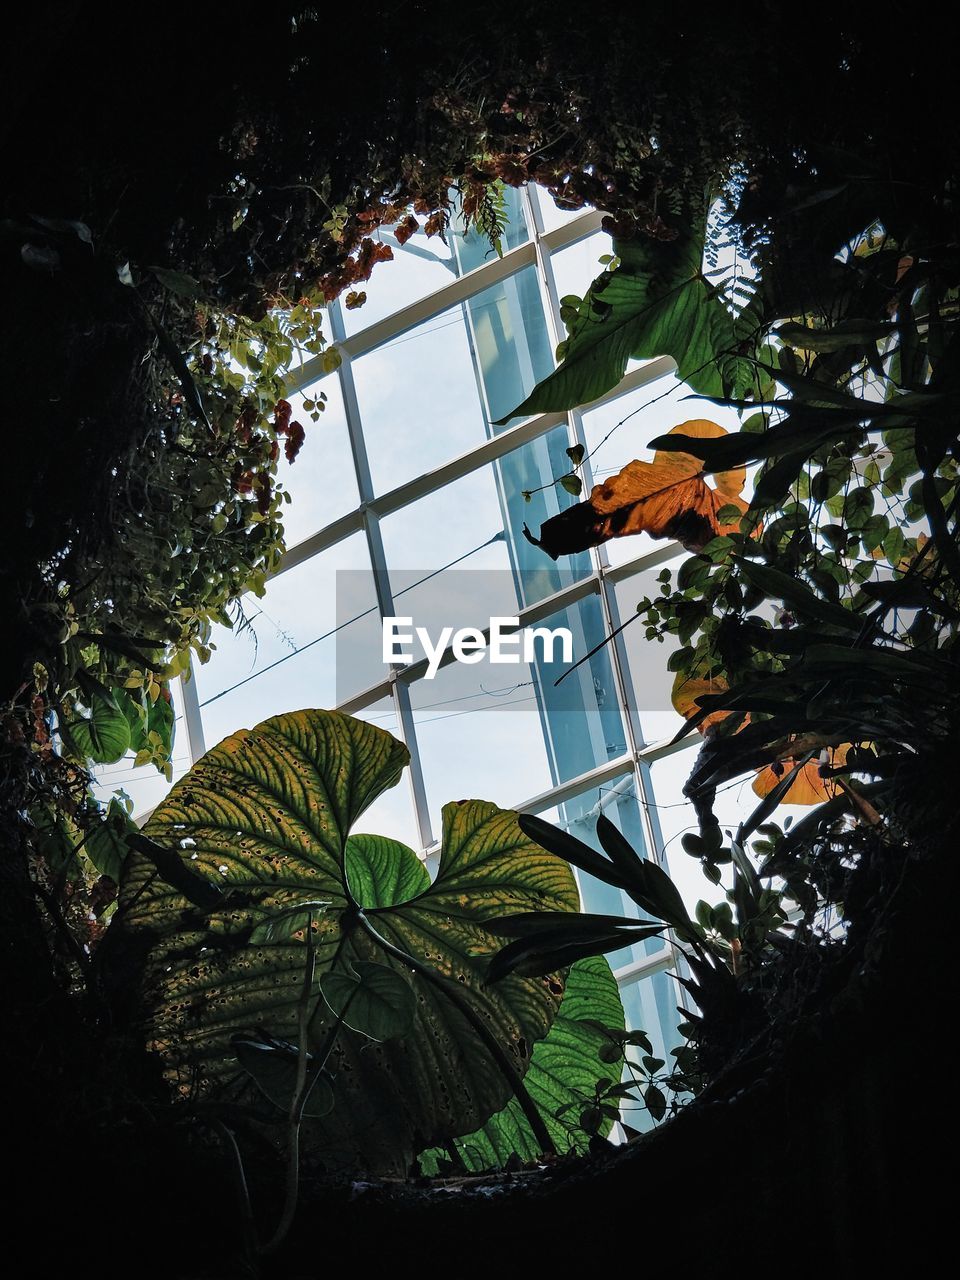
(510, 336)
(425, 264)
(284, 659)
(321, 481)
(525, 733)
(617, 801)
(551, 215)
(675, 816)
(432, 394)
(473, 250)
(478, 741)
(576, 267)
(735, 801)
(420, 267)
(649, 680)
(458, 523)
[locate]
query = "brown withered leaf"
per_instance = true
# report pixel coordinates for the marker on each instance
(666, 498)
(808, 787)
(687, 688)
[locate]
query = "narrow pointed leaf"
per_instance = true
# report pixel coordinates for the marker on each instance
(570, 848)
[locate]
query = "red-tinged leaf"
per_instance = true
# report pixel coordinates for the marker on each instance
(282, 415)
(405, 228)
(436, 224)
(294, 441)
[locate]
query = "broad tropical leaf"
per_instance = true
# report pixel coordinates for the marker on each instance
(106, 844)
(657, 303)
(372, 998)
(666, 498)
(562, 1077)
(145, 716)
(266, 814)
(101, 735)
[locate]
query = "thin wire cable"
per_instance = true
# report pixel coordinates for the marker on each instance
(497, 537)
(472, 711)
(449, 702)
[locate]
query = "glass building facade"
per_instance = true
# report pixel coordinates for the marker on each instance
(406, 485)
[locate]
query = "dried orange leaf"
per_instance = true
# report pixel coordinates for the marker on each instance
(666, 498)
(687, 689)
(808, 787)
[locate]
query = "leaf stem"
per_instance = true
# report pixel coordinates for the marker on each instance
(298, 1101)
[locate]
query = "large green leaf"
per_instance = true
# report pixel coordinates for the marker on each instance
(379, 873)
(373, 998)
(102, 735)
(562, 1076)
(657, 303)
(266, 814)
(145, 716)
(106, 844)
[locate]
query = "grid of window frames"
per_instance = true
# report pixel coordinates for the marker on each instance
(407, 476)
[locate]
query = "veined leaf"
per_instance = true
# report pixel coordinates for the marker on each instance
(372, 999)
(266, 814)
(657, 303)
(106, 844)
(562, 1077)
(103, 735)
(380, 875)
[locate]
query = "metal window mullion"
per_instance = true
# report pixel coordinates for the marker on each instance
(637, 970)
(401, 695)
(374, 540)
(667, 747)
(489, 450)
(578, 437)
(550, 303)
(351, 409)
(401, 692)
(621, 671)
(192, 715)
(547, 244)
(565, 791)
(629, 712)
